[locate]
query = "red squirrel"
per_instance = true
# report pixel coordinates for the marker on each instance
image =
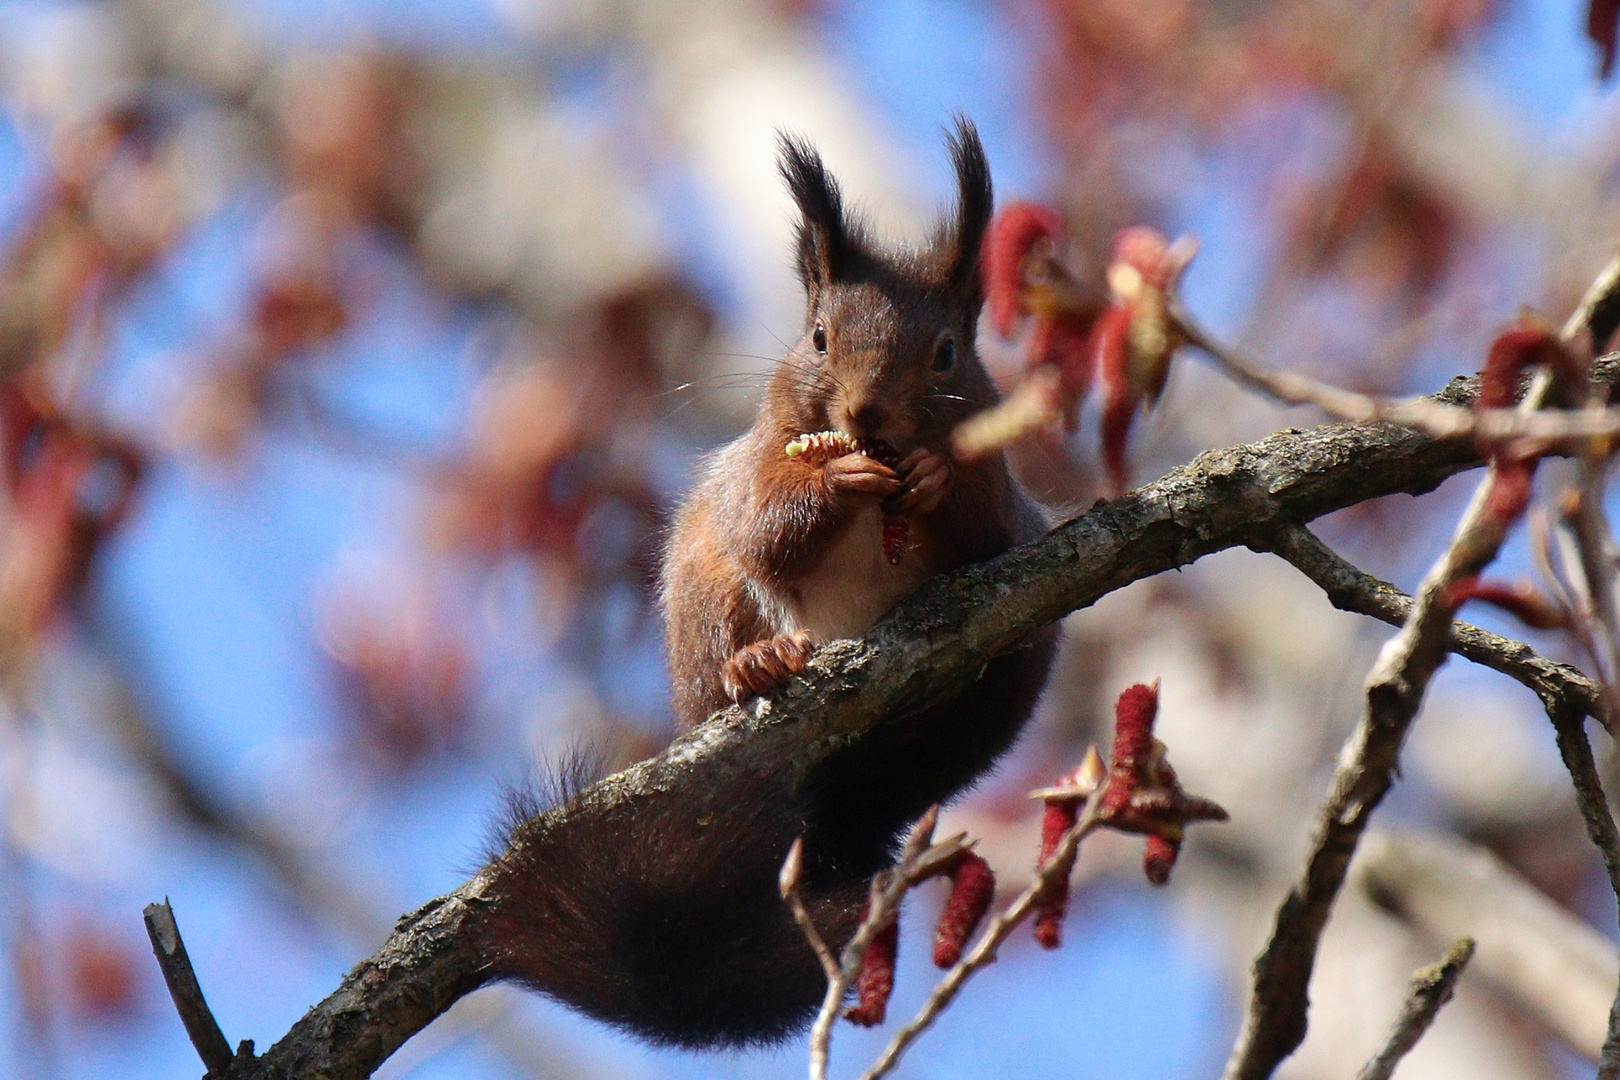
(664, 919)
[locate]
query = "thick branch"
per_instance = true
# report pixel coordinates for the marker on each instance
(1431, 988)
(935, 641)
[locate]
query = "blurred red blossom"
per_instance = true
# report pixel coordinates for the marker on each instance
(1602, 25)
(1384, 219)
(1527, 344)
(1136, 336)
(1073, 342)
(67, 487)
(108, 211)
(296, 308)
(1025, 278)
(99, 972)
(407, 673)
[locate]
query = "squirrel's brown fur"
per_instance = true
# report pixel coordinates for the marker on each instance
(663, 918)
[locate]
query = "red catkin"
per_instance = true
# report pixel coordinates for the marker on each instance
(1064, 343)
(1602, 26)
(1159, 856)
(1517, 348)
(1053, 903)
(1111, 355)
(1511, 487)
(1132, 760)
(876, 981)
(973, 886)
(896, 535)
(1518, 598)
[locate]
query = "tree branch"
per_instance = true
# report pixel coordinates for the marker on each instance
(1568, 696)
(428, 962)
(1570, 729)
(201, 1027)
(1552, 965)
(1559, 686)
(1275, 1021)
(1431, 988)
(934, 642)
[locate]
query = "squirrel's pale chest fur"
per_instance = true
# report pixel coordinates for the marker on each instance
(849, 589)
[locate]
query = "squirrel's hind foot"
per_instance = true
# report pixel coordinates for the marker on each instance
(766, 665)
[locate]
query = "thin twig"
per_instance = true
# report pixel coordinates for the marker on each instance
(788, 884)
(883, 905)
(1594, 543)
(201, 1027)
(1352, 589)
(1275, 1020)
(1431, 988)
(990, 939)
(1554, 967)
(1565, 429)
(1569, 728)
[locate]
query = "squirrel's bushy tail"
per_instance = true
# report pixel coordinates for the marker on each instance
(661, 915)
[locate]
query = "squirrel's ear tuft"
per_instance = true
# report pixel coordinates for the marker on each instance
(975, 201)
(827, 242)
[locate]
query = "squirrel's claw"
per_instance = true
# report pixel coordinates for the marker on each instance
(925, 477)
(766, 665)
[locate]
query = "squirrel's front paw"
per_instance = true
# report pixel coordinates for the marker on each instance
(925, 478)
(766, 665)
(858, 474)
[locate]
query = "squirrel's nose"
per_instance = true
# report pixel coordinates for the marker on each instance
(868, 419)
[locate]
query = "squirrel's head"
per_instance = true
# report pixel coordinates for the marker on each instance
(888, 348)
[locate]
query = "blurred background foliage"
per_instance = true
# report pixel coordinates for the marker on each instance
(352, 355)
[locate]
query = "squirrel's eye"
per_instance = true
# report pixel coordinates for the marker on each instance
(818, 338)
(945, 355)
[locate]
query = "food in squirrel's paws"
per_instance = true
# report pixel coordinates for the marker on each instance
(824, 446)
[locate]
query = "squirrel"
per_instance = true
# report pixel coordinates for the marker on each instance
(664, 919)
